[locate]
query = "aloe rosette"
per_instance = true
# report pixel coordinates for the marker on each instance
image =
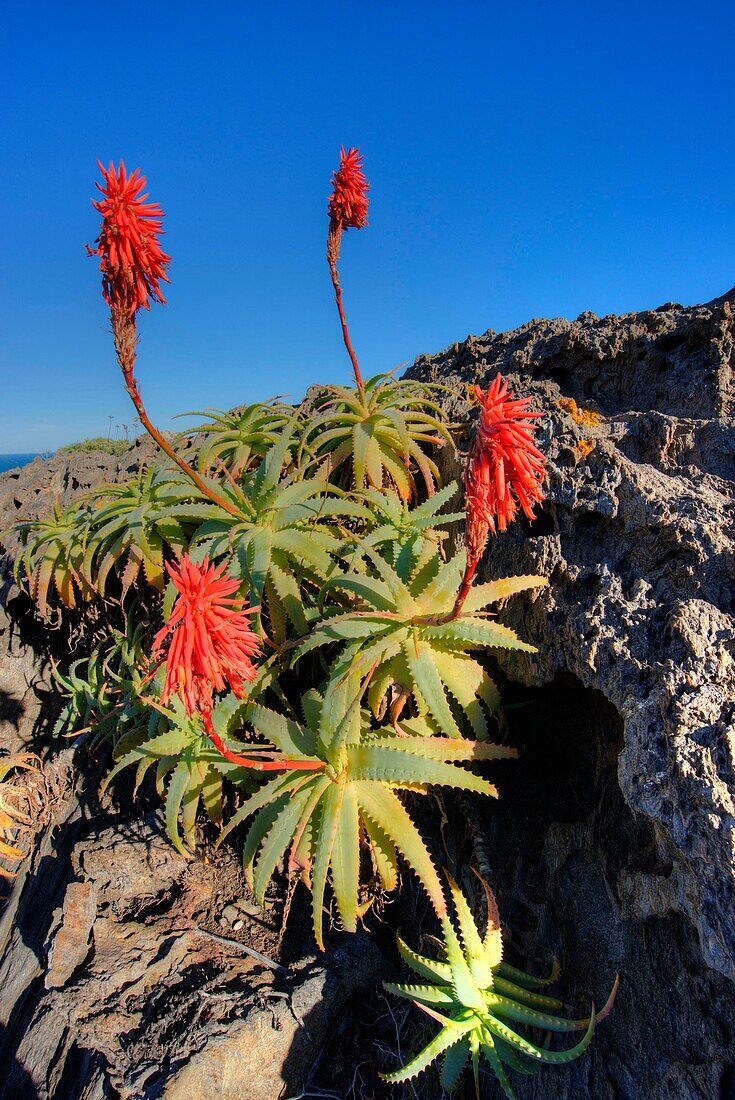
(53, 557)
(238, 439)
(478, 1000)
(134, 523)
(403, 627)
(318, 818)
(398, 529)
(379, 433)
(280, 540)
(188, 768)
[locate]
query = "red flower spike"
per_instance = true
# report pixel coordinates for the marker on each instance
(348, 203)
(132, 261)
(211, 647)
(132, 264)
(211, 644)
(505, 469)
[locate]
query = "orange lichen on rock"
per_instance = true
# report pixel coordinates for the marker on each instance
(588, 418)
(585, 447)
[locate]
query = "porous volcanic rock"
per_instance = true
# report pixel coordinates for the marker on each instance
(631, 841)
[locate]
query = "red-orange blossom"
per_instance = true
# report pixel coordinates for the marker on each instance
(132, 261)
(348, 202)
(133, 264)
(504, 472)
(210, 643)
(347, 209)
(505, 469)
(208, 646)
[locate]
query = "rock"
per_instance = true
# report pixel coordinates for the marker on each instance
(249, 908)
(138, 1000)
(70, 941)
(279, 1045)
(24, 683)
(636, 625)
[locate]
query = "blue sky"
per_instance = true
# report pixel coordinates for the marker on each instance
(525, 161)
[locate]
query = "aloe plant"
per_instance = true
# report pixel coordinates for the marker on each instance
(379, 433)
(103, 692)
(53, 557)
(402, 627)
(240, 437)
(85, 687)
(312, 520)
(189, 769)
(479, 1001)
(399, 529)
(283, 537)
(318, 818)
(132, 523)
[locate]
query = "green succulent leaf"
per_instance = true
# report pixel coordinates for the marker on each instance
(130, 524)
(52, 559)
(238, 439)
(460, 991)
(320, 815)
(444, 1040)
(376, 434)
(401, 631)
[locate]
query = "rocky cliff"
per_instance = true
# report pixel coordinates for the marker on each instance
(611, 845)
(626, 790)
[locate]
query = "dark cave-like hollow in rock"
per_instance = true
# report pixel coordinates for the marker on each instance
(555, 846)
(558, 842)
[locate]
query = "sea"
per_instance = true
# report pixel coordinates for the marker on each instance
(9, 462)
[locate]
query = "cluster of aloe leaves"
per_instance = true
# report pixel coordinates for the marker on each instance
(480, 1001)
(339, 530)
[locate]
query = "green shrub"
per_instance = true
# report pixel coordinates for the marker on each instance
(96, 444)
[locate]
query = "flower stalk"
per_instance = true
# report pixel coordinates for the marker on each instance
(133, 264)
(343, 322)
(347, 208)
(275, 764)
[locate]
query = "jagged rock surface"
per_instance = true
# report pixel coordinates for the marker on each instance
(638, 542)
(114, 984)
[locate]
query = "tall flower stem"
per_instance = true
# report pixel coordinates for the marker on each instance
(464, 590)
(125, 336)
(133, 264)
(347, 209)
(343, 321)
